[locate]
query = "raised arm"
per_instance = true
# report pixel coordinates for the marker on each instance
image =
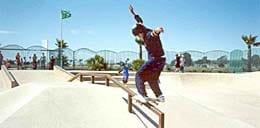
(131, 9)
(137, 17)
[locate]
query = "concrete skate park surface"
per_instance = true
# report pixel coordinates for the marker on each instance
(193, 100)
(73, 105)
(201, 100)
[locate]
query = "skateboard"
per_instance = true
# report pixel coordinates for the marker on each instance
(147, 101)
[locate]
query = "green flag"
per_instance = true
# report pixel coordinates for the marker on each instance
(65, 14)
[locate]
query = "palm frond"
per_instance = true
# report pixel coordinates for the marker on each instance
(249, 40)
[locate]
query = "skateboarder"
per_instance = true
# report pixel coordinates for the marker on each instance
(125, 72)
(151, 70)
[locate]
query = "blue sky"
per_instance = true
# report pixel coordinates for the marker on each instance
(105, 24)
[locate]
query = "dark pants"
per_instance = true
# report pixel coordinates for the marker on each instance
(182, 69)
(150, 72)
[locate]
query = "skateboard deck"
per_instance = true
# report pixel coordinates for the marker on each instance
(149, 100)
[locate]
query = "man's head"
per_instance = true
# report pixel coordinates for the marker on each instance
(138, 31)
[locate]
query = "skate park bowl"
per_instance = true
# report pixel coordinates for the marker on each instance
(193, 100)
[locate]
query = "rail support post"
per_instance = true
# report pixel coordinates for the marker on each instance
(161, 121)
(107, 82)
(92, 79)
(81, 78)
(130, 103)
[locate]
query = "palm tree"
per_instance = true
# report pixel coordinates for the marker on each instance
(96, 63)
(140, 52)
(249, 40)
(140, 42)
(61, 44)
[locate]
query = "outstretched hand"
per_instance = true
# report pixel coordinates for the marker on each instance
(159, 30)
(131, 9)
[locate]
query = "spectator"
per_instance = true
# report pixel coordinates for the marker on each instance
(22, 62)
(34, 62)
(8, 64)
(18, 60)
(52, 62)
(43, 61)
(182, 63)
(1, 59)
(177, 63)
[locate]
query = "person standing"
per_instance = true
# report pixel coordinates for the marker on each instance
(18, 60)
(182, 63)
(34, 62)
(151, 70)
(21, 62)
(1, 59)
(43, 61)
(177, 63)
(52, 62)
(7, 64)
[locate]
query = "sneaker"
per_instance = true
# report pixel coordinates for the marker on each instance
(146, 98)
(161, 98)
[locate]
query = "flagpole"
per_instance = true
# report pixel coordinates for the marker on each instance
(61, 43)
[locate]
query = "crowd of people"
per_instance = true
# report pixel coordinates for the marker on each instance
(21, 62)
(34, 61)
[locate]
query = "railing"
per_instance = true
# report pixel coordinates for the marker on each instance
(129, 91)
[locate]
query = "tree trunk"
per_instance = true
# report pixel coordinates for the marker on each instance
(249, 59)
(140, 52)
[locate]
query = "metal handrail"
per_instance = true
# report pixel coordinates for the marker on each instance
(129, 91)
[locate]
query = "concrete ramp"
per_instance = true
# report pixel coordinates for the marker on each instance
(2, 81)
(65, 105)
(6, 79)
(193, 100)
(211, 100)
(41, 76)
(37, 76)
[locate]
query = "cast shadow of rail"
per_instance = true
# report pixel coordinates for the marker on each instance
(143, 114)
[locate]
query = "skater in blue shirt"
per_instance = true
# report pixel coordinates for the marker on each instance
(124, 69)
(151, 70)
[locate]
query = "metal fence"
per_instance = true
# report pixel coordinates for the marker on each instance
(234, 61)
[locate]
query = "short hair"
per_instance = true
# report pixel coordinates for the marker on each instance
(138, 28)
